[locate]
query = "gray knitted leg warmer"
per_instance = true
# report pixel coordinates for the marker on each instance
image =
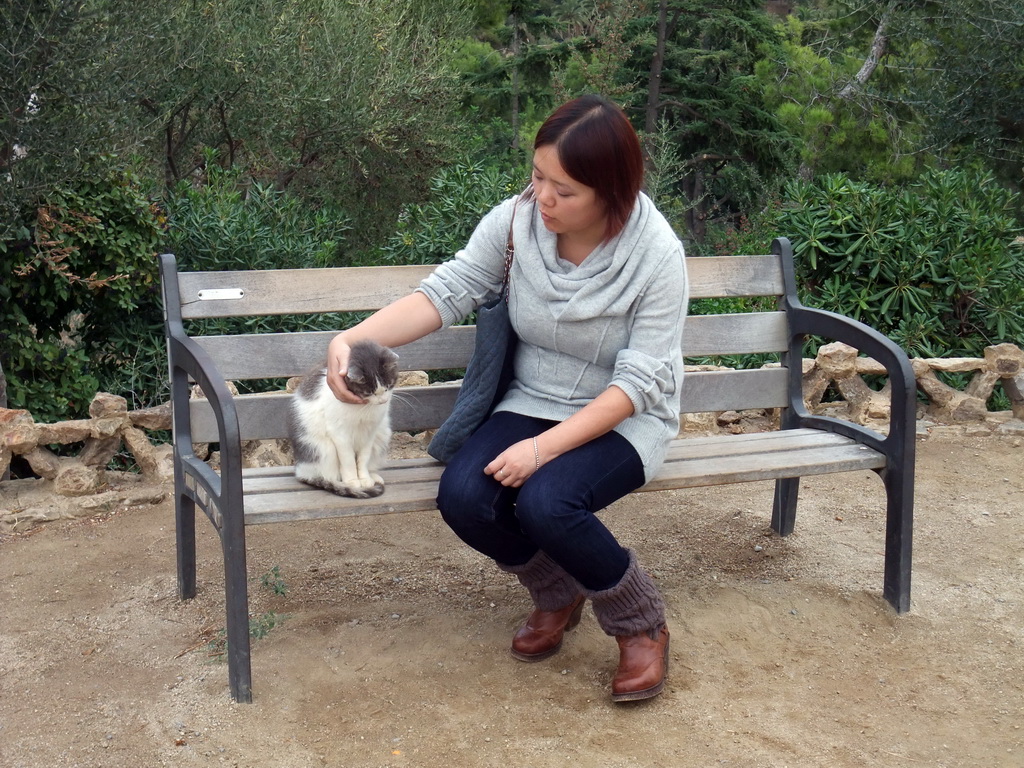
(632, 607)
(549, 585)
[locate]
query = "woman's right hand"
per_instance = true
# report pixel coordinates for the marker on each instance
(337, 367)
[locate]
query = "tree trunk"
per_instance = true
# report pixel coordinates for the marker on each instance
(514, 19)
(654, 80)
(878, 46)
(700, 210)
(696, 211)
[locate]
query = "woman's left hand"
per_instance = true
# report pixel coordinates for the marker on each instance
(513, 466)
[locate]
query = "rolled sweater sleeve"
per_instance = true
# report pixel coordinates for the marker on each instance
(649, 369)
(474, 275)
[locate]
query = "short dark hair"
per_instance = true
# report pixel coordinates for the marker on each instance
(598, 147)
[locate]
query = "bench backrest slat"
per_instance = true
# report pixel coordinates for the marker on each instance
(717, 276)
(273, 355)
(294, 291)
(263, 417)
(357, 289)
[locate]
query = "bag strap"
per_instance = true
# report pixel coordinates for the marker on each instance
(510, 246)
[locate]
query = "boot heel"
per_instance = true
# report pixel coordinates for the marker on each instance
(575, 616)
(541, 636)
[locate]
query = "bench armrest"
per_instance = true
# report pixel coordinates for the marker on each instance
(188, 359)
(805, 321)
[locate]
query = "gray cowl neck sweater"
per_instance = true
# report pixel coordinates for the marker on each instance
(615, 320)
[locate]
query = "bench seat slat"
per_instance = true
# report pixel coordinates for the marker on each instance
(274, 495)
(686, 449)
(277, 479)
(314, 504)
(398, 472)
(800, 462)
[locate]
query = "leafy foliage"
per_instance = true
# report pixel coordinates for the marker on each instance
(50, 99)
(229, 223)
(728, 142)
(348, 102)
(937, 265)
(461, 195)
(966, 76)
(800, 85)
(87, 264)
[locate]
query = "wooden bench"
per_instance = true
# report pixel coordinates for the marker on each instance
(236, 497)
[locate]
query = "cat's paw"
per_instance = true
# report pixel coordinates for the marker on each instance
(353, 492)
(354, 488)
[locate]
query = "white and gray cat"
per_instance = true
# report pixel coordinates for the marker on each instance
(341, 446)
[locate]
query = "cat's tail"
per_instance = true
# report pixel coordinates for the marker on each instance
(343, 489)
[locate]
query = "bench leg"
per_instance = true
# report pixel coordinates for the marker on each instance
(784, 509)
(899, 527)
(185, 527)
(236, 598)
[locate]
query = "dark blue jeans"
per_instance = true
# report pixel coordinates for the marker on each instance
(553, 511)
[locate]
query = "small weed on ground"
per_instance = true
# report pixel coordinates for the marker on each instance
(259, 626)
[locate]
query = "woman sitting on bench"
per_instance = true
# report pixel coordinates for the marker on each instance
(597, 299)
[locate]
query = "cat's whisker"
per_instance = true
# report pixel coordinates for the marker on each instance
(402, 397)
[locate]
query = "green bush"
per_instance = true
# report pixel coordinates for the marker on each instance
(76, 267)
(937, 265)
(460, 196)
(229, 223)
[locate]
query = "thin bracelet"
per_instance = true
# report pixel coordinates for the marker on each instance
(536, 453)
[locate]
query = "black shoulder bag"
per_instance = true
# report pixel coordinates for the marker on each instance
(490, 370)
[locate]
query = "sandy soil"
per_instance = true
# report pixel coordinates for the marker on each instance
(391, 642)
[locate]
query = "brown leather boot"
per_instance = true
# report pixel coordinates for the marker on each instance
(541, 635)
(643, 667)
(633, 612)
(558, 603)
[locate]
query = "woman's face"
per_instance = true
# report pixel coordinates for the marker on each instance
(567, 207)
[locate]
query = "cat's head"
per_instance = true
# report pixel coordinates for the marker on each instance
(372, 371)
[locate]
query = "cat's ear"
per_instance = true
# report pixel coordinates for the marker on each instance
(355, 374)
(391, 361)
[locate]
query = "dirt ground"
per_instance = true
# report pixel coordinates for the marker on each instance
(389, 646)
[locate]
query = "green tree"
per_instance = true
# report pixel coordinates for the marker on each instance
(826, 103)
(347, 102)
(967, 74)
(701, 86)
(881, 89)
(54, 96)
(89, 266)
